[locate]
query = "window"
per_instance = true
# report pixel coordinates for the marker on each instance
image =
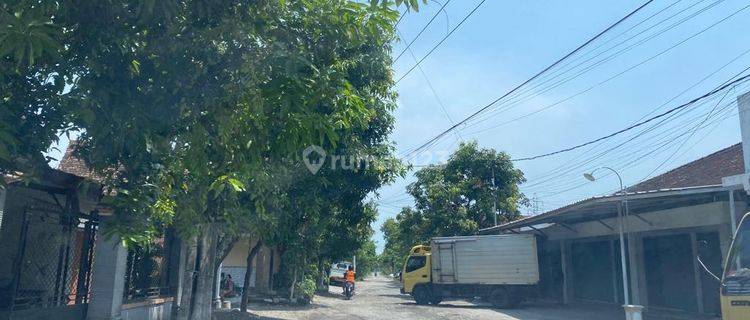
(415, 263)
(739, 265)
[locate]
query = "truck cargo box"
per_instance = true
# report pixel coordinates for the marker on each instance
(492, 259)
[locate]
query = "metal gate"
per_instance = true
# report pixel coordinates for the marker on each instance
(55, 257)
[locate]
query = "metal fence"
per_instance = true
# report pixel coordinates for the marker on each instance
(55, 255)
(147, 274)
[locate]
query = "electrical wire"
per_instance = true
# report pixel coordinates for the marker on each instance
(432, 140)
(408, 46)
(441, 41)
(663, 114)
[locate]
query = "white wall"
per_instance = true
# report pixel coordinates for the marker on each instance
(161, 311)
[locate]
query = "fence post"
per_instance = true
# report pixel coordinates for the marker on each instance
(108, 278)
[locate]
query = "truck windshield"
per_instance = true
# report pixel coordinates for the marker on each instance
(415, 263)
(739, 259)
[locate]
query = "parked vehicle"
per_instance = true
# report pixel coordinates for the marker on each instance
(735, 283)
(336, 275)
(502, 269)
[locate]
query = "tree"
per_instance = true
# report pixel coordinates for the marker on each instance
(192, 109)
(367, 259)
(455, 199)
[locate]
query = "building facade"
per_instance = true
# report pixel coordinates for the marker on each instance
(672, 220)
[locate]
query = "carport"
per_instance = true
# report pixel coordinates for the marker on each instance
(579, 249)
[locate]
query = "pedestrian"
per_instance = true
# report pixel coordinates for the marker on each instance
(227, 289)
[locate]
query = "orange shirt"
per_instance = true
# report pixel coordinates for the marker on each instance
(349, 275)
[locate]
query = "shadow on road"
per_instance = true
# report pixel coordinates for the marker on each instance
(283, 306)
(238, 315)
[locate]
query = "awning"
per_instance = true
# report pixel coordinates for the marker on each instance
(604, 207)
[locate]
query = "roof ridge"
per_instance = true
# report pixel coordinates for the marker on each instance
(686, 165)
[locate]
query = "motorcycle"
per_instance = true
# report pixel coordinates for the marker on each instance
(348, 290)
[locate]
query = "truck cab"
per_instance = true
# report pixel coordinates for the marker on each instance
(735, 282)
(416, 268)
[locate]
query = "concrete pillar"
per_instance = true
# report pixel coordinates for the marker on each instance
(725, 240)
(2, 206)
(107, 278)
(743, 104)
(697, 273)
(637, 270)
(613, 256)
(217, 288)
(567, 271)
(181, 269)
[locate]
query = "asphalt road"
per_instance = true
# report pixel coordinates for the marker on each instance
(379, 299)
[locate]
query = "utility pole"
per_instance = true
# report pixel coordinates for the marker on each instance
(494, 196)
(536, 205)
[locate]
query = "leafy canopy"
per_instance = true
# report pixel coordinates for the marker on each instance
(455, 199)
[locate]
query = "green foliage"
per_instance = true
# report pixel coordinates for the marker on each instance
(195, 112)
(367, 259)
(455, 199)
(305, 290)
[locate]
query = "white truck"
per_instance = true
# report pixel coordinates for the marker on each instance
(336, 274)
(503, 269)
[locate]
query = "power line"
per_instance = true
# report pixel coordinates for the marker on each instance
(556, 171)
(692, 133)
(590, 67)
(441, 41)
(408, 46)
(612, 77)
(429, 142)
(434, 92)
(663, 114)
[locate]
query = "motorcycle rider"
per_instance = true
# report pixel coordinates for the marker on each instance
(349, 278)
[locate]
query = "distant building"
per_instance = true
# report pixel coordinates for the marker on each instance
(673, 218)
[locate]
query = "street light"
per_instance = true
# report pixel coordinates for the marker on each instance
(632, 312)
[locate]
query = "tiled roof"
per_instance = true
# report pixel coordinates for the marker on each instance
(705, 171)
(74, 165)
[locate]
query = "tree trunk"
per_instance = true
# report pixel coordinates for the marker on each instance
(294, 284)
(188, 279)
(322, 275)
(249, 272)
(223, 247)
(206, 278)
(197, 291)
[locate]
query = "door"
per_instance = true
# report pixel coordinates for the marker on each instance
(446, 254)
(416, 271)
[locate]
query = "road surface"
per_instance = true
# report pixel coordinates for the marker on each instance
(379, 299)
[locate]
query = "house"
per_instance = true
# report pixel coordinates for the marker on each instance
(60, 262)
(48, 228)
(672, 219)
(265, 265)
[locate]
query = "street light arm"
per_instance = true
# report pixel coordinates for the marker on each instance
(622, 188)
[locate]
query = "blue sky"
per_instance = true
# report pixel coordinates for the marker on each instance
(506, 42)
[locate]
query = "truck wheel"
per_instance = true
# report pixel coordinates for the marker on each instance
(500, 298)
(421, 295)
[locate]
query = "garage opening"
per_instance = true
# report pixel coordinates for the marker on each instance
(592, 271)
(670, 272)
